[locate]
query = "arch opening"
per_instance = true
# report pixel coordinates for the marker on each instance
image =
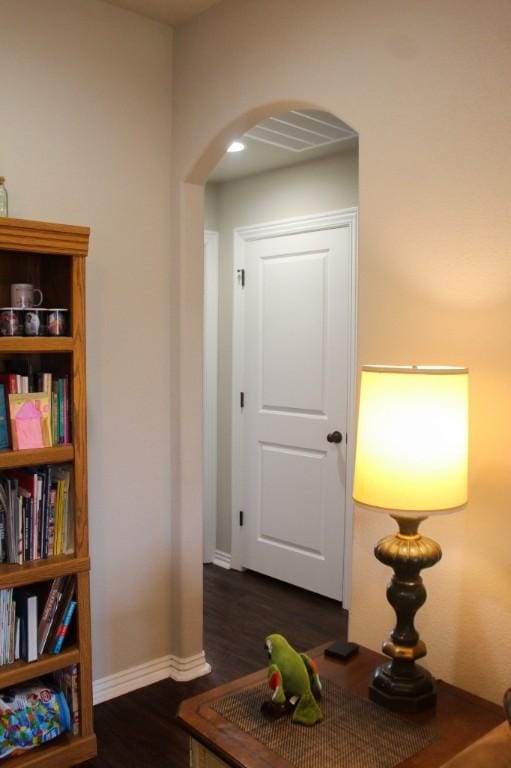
(214, 152)
(300, 162)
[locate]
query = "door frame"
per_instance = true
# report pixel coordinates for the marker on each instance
(210, 395)
(347, 217)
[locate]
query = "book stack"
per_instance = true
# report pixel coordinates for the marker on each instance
(56, 615)
(36, 518)
(21, 396)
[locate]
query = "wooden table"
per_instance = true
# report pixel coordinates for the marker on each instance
(459, 719)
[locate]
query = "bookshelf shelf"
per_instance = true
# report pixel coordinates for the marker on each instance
(56, 455)
(12, 674)
(52, 257)
(58, 753)
(41, 570)
(32, 345)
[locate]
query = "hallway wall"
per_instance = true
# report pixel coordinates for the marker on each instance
(426, 87)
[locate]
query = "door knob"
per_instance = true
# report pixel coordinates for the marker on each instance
(334, 437)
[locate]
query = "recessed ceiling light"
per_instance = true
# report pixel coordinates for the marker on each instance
(236, 146)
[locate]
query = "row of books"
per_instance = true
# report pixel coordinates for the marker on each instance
(26, 635)
(34, 410)
(36, 514)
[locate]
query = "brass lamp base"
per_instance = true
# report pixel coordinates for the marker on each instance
(413, 690)
(400, 684)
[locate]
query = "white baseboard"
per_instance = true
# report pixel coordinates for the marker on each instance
(151, 672)
(183, 670)
(222, 559)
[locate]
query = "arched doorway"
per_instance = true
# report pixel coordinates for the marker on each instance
(190, 276)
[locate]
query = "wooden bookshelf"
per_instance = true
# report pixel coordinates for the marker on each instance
(52, 257)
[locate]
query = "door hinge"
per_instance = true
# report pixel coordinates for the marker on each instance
(241, 277)
(242, 399)
(241, 517)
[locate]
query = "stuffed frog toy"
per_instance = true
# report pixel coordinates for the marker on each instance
(295, 683)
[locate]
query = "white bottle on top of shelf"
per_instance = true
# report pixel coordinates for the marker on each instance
(3, 198)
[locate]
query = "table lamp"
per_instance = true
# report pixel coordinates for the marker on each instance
(411, 461)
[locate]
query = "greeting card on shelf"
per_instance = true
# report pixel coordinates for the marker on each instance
(30, 420)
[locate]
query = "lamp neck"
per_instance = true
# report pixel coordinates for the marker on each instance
(408, 526)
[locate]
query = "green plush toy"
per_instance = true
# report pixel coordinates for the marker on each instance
(295, 682)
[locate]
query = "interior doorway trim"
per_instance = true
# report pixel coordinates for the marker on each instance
(210, 389)
(330, 220)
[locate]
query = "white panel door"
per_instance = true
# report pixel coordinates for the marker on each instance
(296, 382)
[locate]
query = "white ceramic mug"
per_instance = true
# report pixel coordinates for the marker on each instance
(10, 321)
(57, 322)
(34, 321)
(22, 295)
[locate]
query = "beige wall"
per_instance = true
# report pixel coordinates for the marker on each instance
(211, 207)
(85, 139)
(327, 184)
(426, 87)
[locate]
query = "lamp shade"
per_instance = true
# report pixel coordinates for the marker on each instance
(412, 439)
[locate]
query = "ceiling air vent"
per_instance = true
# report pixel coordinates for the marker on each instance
(299, 131)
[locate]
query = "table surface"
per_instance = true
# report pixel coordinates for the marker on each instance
(459, 718)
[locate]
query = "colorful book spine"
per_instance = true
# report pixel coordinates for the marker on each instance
(63, 628)
(61, 410)
(67, 436)
(49, 611)
(57, 547)
(4, 422)
(46, 476)
(55, 416)
(51, 518)
(8, 381)
(7, 627)
(27, 526)
(18, 507)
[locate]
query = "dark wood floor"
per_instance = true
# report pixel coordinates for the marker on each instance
(240, 609)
